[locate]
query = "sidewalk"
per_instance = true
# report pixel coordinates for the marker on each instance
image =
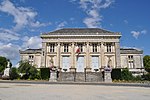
(76, 83)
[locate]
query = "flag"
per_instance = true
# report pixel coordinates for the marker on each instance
(78, 50)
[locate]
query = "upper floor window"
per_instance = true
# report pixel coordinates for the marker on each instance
(81, 47)
(130, 57)
(52, 47)
(66, 47)
(94, 47)
(31, 57)
(109, 47)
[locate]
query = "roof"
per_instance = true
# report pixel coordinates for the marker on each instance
(130, 51)
(81, 31)
(30, 51)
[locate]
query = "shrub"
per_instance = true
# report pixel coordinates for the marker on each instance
(45, 73)
(14, 73)
(126, 75)
(116, 74)
(146, 77)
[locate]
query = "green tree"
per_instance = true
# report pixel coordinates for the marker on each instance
(30, 71)
(24, 67)
(146, 61)
(3, 63)
(126, 74)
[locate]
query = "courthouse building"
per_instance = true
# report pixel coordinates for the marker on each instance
(83, 49)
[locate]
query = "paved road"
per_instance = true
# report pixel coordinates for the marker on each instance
(20, 91)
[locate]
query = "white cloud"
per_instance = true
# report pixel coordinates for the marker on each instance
(136, 34)
(22, 16)
(8, 35)
(61, 25)
(38, 24)
(92, 8)
(9, 51)
(31, 42)
(125, 21)
(144, 31)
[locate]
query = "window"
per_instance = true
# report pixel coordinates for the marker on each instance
(130, 61)
(130, 57)
(81, 47)
(52, 47)
(94, 47)
(66, 47)
(130, 64)
(31, 59)
(109, 47)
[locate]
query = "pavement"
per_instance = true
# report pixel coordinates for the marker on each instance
(44, 90)
(144, 84)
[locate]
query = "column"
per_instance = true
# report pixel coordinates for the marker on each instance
(102, 55)
(58, 54)
(117, 55)
(87, 58)
(43, 55)
(72, 69)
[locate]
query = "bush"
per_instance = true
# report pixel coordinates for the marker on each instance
(126, 75)
(146, 77)
(116, 74)
(14, 73)
(45, 73)
(34, 73)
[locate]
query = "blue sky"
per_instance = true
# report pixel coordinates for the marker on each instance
(22, 21)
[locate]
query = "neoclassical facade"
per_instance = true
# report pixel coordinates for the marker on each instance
(83, 49)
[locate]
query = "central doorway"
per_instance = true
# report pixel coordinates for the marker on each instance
(80, 64)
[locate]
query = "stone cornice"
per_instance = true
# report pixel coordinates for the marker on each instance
(86, 36)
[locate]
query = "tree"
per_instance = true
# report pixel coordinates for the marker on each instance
(24, 66)
(146, 61)
(3, 63)
(29, 70)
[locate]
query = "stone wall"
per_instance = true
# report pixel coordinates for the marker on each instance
(80, 76)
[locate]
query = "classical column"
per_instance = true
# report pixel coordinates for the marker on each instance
(73, 57)
(58, 54)
(102, 55)
(87, 57)
(43, 56)
(117, 55)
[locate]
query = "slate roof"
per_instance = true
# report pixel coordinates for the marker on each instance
(30, 51)
(130, 51)
(81, 31)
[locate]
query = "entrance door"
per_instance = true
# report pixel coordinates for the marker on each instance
(80, 64)
(65, 63)
(95, 63)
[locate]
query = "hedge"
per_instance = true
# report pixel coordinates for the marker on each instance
(45, 73)
(116, 74)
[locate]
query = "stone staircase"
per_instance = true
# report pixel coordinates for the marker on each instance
(80, 76)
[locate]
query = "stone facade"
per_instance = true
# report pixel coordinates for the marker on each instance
(82, 49)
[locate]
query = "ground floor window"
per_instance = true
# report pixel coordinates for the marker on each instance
(130, 64)
(95, 63)
(65, 63)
